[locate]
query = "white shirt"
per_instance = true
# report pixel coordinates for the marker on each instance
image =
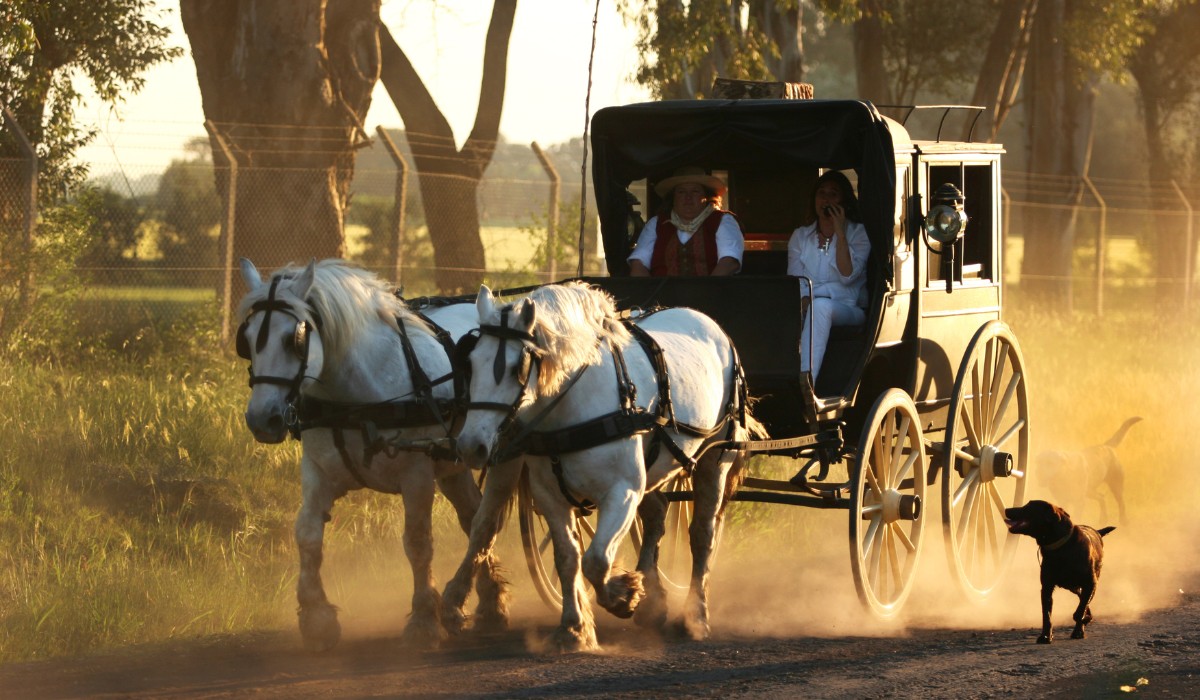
(730, 242)
(806, 259)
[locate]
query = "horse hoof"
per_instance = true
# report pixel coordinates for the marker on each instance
(424, 634)
(625, 592)
(454, 621)
(319, 627)
(575, 640)
(652, 613)
(1078, 633)
(490, 621)
(696, 630)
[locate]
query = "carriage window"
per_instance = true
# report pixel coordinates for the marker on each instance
(974, 265)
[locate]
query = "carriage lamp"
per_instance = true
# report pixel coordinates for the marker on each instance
(944, 226)
(946, 221)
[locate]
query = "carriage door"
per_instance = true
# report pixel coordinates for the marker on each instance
(947, 321)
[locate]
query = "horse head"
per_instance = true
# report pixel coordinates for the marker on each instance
(504, 361)
(279, 336)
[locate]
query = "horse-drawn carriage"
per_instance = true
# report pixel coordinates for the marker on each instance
(930, 390)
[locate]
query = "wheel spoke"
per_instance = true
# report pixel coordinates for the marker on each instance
(902, 536)
(971, 487)
(969, 429)
(878, 454)
(968, 480)
(985, 398)
(906, 469)
(1009, 392)
(898, 450)
(876, 553)
(967, 457)
(869, 473)
(869, 512)
(993, 534)
(1010, 432)
(893, 563)
(975, 420)
(997, 500)
(545, 543)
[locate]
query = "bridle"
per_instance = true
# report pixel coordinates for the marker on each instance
(531, 355)
(299, 342)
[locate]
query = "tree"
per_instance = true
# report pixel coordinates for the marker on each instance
(1167, 70)
(683, 47)
(43, 47)
(287, 84)
(448, 177)
(189, 209)
(1074, 44)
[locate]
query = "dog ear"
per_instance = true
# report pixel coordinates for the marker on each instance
(1060, 515)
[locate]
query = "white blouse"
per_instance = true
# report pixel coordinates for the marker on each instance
(806, 259)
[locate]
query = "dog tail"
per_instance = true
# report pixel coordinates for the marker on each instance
(1120, 434)
(1105, 530)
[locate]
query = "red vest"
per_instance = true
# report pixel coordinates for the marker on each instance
(696, 257)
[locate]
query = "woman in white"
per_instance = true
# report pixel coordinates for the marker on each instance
(832, 253)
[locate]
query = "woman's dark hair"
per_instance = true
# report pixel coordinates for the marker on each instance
(849, 201)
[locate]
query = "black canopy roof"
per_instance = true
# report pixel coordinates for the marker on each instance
(650, 140)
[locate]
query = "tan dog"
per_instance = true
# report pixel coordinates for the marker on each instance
(1075, 477)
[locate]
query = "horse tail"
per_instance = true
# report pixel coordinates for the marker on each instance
(1120, 434)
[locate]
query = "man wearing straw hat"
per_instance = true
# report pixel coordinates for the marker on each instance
(693, 237)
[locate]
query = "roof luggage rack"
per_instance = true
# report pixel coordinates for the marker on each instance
(948, 108)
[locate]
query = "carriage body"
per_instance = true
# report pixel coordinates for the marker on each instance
(929, 391)
(770, 152)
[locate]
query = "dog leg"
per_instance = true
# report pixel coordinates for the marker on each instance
(1083, 614)
(1047, 606)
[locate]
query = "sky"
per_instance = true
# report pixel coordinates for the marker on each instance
(545, 91)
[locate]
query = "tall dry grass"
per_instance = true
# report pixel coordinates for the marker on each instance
(134, 505)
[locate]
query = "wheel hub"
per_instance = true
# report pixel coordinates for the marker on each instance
(900, 506)
(994, 464)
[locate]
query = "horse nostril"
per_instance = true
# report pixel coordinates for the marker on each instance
(481, 453)
(275, 423)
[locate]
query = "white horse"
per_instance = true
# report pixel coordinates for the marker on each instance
(558, 377)
(338, 359)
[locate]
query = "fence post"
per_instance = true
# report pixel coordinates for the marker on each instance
(401, 204)
(25, 293)
(1101, 236)
(1187, 258)
(552, 226)
(227, 226)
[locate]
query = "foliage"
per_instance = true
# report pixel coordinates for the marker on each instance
(43, 47)
(188, 206)
(113, 231)
(683, 46)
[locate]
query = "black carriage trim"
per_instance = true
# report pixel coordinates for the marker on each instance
(299, 338)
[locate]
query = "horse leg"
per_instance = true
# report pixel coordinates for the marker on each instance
(652, 612)
(619, 594)
(577, 628)
(318, 617)
(709, 481)
(424, 628)
(480, 560)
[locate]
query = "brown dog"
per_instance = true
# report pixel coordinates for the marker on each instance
(1075, 477)
(1071, 556)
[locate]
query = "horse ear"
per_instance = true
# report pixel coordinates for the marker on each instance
(304, 280)
(250, 274)
(484, 303)
(528, 313)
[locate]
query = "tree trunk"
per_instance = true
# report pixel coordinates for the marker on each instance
(288, 84)
(868, 54)
(1060, 113)
(449, 179)
(1003, 67)
(784, 28)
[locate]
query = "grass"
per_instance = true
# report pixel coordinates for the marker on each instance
(135, 506)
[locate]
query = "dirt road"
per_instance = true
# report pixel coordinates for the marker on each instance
(772, 638)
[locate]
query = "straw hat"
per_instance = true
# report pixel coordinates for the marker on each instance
(690, 174)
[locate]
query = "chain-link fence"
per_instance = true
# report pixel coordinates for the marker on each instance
(157, 232)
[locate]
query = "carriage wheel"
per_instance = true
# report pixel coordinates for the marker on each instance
(986, 456)
(539, 549)
(886, 501)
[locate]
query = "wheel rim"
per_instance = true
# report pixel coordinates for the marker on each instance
(886, 524)
(675, 549)
(539, 549)
(986, 459)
